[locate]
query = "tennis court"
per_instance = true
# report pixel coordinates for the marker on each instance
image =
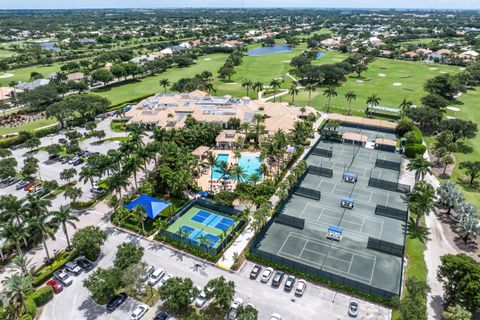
(368, 254)
(203, 225)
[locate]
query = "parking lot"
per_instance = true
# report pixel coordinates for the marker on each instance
(316, 303)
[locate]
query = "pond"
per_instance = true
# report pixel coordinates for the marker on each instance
(320, 54)
(261, 51)
(48, 45)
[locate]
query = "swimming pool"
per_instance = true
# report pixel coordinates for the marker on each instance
(217, 174)
(251, 164)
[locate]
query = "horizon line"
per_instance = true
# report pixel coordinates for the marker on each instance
(260, 7)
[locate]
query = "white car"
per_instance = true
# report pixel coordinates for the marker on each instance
(194, 297)
(232, 312)
(266, 275)
(139, 312)
(276, 316)
(201, 299)
(147, 272)
(301, 286)
(156, 276)
(164, 280)
(71, 161)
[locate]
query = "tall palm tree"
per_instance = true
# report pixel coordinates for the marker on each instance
(36, 206)
(14, 232)
(421, 200)
(88, 173)
(421, 166)
(138, 213)
(404, 105)
(329, 93)
(254, 178)
(310, 87)
(212, 162)
(16, 287)
(63, 217)
(132, 164)
(117, 182)
(12, 208)
(209, 87)
(224, 169)
(164, 83)
(247, 84)
(350, 96)
(293, 91)
(258, 86)
(275, 84)
(238, 174)
(373, 100)
(41, 228)
(23, 264)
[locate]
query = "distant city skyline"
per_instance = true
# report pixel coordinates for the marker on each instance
(84, 4)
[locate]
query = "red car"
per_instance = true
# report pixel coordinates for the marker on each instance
(57, 287)
(28, 186)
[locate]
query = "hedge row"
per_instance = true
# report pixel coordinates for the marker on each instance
(14, 140)
(415, 146)
(46, 271)
(42, 295)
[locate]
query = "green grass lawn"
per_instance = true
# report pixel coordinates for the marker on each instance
(6, 53)
(23, 74)
(28, 126)
(150, 85)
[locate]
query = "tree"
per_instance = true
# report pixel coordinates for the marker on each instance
(457, 313)
(330, 92)
(23, 264)
(443, 85)
(14, 233)
(63, 217)
(99, 134)
(88, 241)
(460, 129)
(373, 100)
(238, 174)
(42, 228)
(293, 91)
(350, 96)
(68, 174)
(222, 291)
(460, 277)
(247, 313)
(73, 193)
(468, 225)
(103, 283)
(118, 71)
(16, 287)
(54, 149)
(472, 170)
(138, 213)
(247, 84)
(127, 255)
(30, 166)
(177, 294)
(102, 75)
(421, 166)
(421, 200)
(32, 143)
(88, 173)
(309, 87)
(413, 306)
(8, 167)
(226, 72)
(434, 101)
(165, 83)
(449, 196)
(275, 85)
(257, 86)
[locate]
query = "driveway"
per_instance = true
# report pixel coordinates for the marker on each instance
(74, 302)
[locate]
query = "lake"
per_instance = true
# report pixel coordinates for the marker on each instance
(261, 51)
(47, 45)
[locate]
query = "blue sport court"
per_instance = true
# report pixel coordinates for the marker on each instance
(195, 234)
(213, 220)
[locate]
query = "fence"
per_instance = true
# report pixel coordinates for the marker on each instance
(322, 152)
(388, 185)
(308, 193)
(385, 246)
(320, 171)
(392, 165)
(391, 212)
(290, 221)
(314, 271)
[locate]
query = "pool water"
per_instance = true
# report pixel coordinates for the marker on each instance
(222, 157)
(249, 162)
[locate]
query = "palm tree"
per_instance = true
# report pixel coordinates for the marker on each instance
(117, 182)
(23, 264)
(238, 174)
(404, 105)
(212, 162)
(165, 83)
(14, 232)
(421, 166)
(247, 84)
(421, 200)
(310, 87)
(275, 84)
(12, 207)
(350, 96)
(138, 213)
(64, 216)
(329, 93)
(258, 127)
(258, 86)
(132, 164)
(88, 173)
(16, 287)
(42, 228)
(36, 206)
(254, 178)
(373, 100)
(209, 87)
(223, 169)
(293, 91)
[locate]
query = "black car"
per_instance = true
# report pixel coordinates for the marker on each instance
(53, 157)
(62, 141)
(161, 316)
(77, 162)
(84, 263)
(116, 301)
(255, 272)
(277, 279)
(289, 283)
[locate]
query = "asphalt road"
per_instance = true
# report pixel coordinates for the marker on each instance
(74, 302)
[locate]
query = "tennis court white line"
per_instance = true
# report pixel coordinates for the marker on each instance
(348, 275)
(341, 211)
(301, 252)
(373, 269)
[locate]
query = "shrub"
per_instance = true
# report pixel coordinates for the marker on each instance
(45, 272)
(26, 317)
(413, 149)
(31, 307)
(42, 295)
(415, 135)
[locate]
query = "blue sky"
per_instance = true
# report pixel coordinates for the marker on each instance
(77, 4)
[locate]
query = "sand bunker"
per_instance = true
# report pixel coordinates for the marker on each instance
(6, 75)
(360, 81)
(453, 108)
(383, 75)
(207, 59)
(231, 83)
(443, 72)
(433, 68)
(286, 60)
(450, 117)
(397, 84)
(461, 69)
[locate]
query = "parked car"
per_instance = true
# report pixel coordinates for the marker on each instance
(276, 316)
(266, 275)
(156, 276)
(195, 296)
(13, 181)
(62, 140)
(147, 272)
(139, 312)
(255, 272)
(301, 286)
(29, 186)
(353, 308)
(116, 301)
(36, 190)
(65, 159)
(277, 279)
(71, 161)
(73, 268)
(56, 286)
(201, 299)
(21, 185)
(161, 316)
(97, 190)
(62, 277)
(53, 156)
(164, 280)
(290, 283)
(84, 263)
(232, 312)
(77, 162)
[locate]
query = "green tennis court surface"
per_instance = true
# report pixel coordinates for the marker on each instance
(369, 255)
(201, 224)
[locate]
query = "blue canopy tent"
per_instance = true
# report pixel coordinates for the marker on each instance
(334, 233)
(152, 206)
(350, 177)
(348, 203)
(203, 194)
